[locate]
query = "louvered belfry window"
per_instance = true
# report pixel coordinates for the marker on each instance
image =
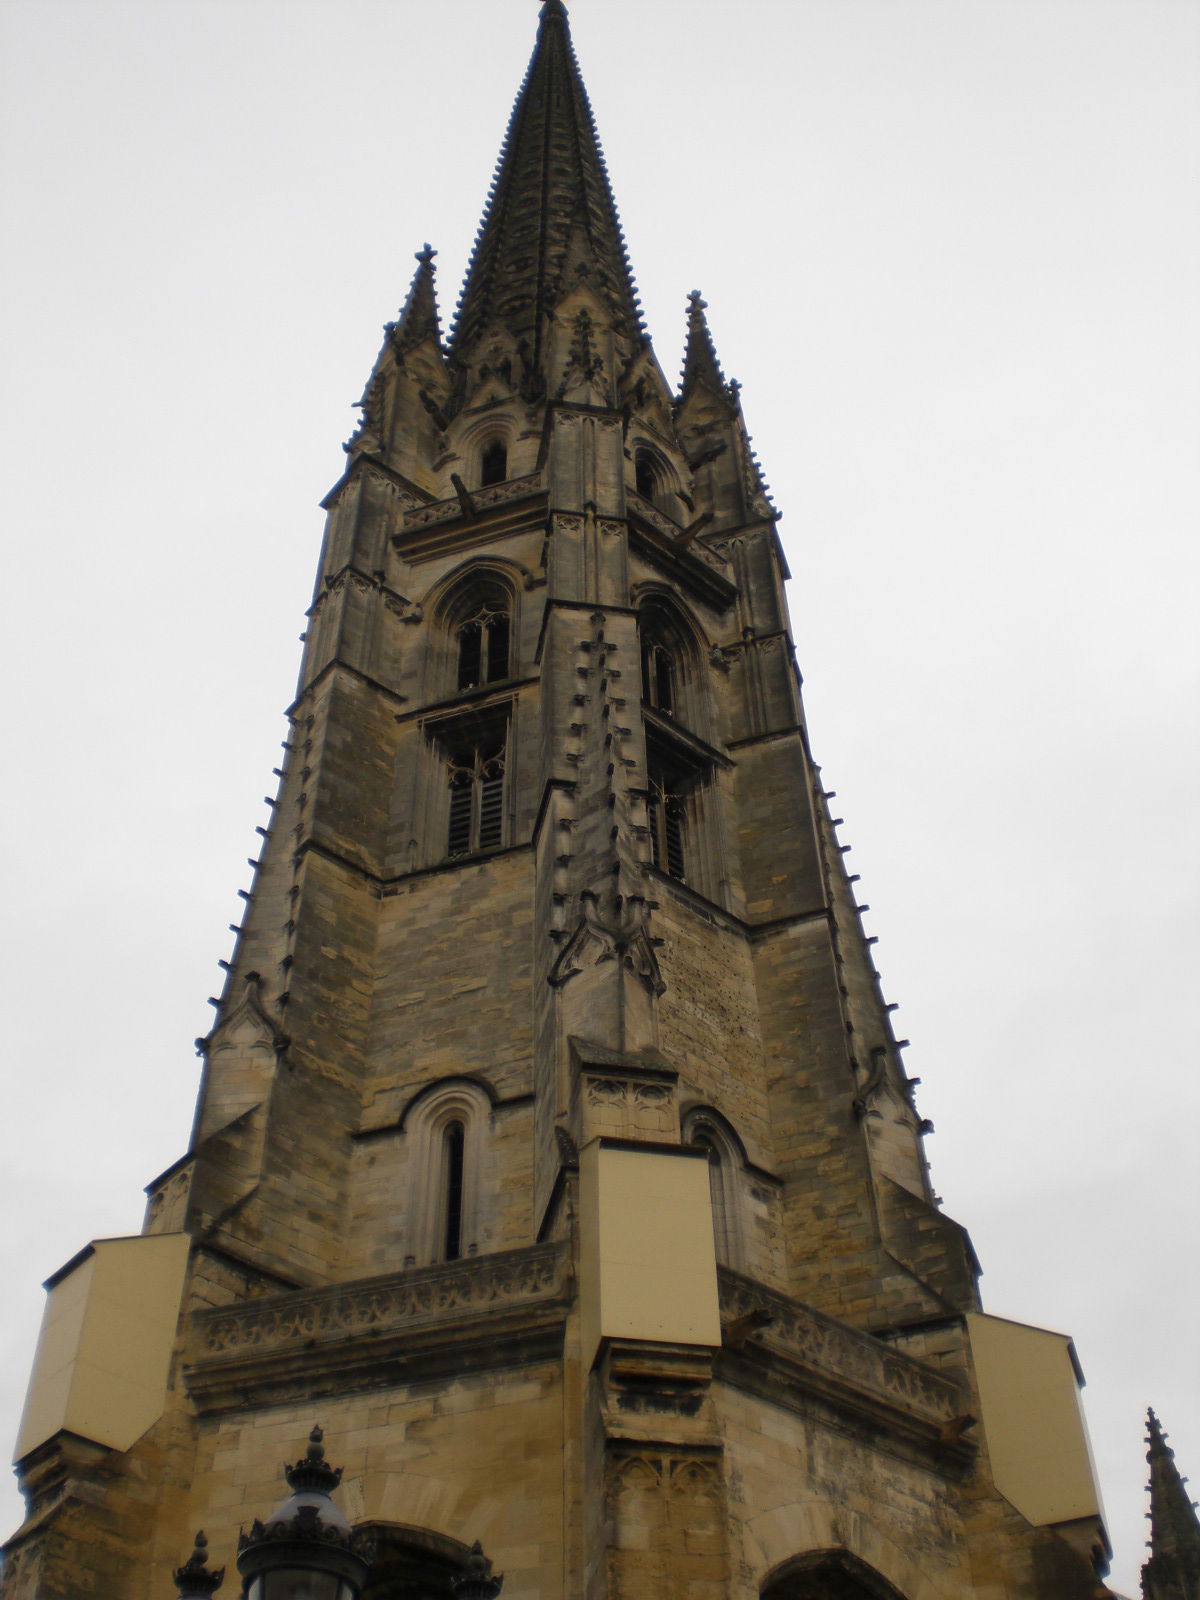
(483, 647)
(476, 796)
(666, 809)
(476, 802)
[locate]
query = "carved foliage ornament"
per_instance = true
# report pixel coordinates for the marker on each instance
(595, 941)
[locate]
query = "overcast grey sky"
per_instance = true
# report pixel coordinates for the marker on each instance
(951, 250)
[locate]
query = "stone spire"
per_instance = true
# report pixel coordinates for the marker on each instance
(550, 213)
(700, 364)
(1173, 1570)
(418, 318)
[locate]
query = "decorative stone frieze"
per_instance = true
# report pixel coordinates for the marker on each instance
(838, 1355)
(496, 494)
(382, 1305)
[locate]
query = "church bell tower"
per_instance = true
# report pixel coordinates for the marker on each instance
(553, 1151)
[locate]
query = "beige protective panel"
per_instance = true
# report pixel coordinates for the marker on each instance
(1036, 1437)
(104, 1352)
(646, 1232)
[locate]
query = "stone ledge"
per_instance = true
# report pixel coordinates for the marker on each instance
(493, 1311)
(851, 1370)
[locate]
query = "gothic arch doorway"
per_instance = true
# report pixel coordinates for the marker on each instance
(828, 1575)
(413, 1564)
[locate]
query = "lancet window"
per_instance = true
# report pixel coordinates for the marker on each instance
(704, 1128)
(658, 672)
(454, 1145)
(493, 463)
(645, 475)
(446, 1131)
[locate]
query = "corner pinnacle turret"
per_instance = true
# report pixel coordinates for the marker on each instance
(418, 317)
(1173, 1570)
(550, 214)
(700, 364)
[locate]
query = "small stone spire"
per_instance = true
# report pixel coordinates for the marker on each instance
(194, 1579)
(700, 364)
(1173, 1570)
(418, 318)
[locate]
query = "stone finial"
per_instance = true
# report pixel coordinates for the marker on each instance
(314, 1472)
(194, 1579)
(477, 1582)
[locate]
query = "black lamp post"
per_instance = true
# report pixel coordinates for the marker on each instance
(305, 1550)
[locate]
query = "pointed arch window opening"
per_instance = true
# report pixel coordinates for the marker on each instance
(483, 647)
(718, 1192)
(493, 463)
(658, 674)
(645, 475)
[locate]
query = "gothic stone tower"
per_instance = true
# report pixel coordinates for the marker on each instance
(553, 1149)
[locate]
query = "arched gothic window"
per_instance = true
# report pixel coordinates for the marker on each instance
(703, 1128)
(493, 463)
(658, 672)
(716, 1194)
(645, 474)
(445, 1133)
(483, 643)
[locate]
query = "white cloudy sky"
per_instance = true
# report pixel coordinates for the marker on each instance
(951, 249)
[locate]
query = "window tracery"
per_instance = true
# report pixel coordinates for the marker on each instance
(476, 766)
(483, 644)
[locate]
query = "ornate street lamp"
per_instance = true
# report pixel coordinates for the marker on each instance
(305, 1550)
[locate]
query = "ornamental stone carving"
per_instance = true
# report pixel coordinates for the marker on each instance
(845, 1358)
(381, 1305)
